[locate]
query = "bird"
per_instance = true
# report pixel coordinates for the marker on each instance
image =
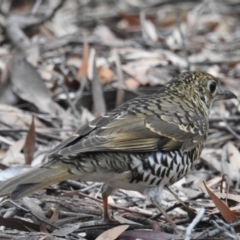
(145, 144)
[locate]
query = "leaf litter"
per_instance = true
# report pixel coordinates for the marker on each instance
(77, 60)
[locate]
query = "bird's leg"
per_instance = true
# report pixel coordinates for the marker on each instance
(176, 196)
(106, 217)
(107, 190)
(161, 209)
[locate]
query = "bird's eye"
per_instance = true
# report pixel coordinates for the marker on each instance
(212, 87)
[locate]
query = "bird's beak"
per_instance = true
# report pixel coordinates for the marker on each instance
(224, 94)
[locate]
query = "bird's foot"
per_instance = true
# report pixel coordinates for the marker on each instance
(109, 220)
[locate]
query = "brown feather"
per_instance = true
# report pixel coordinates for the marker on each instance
(160, 125)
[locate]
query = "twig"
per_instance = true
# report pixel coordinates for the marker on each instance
(82, 75)
(231, 130)
(82, 187)
(181, 201)
(99, 105)
(179, 20)
(6, 141)
(195, 221)
(71, 104)
(62, 84)
(143, 26)
(11, 212)
(36, 6)
(218, 230)
(111, 205)
(220, 119)
(65, 214)
(228, 230)
(91, 187)
(40, 134)
(145, 222)
(76, 39)
(75, 184)
(176, 205)
(16, 24)
(120, 90)
(5, 8)
(160, 3)
(53, 11)
(30, 212)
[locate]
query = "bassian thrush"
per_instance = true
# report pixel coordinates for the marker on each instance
(145, 144)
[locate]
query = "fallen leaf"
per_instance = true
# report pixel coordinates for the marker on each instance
(45, 31)
(148, 235)
(171, 18)
(33, 207)
(74, 61)
(29, 146)
(19, 224)
(105, 74)
(132, 20)
(14, 116)
(112, 233)
(132, 83)
(233, 162)
(138, 69)
(83, 70)
(230, 196)
(227, 214)
(55, 215)
(151, 30)
(29, 86)
(106, 35)
(13, 155)
(43, 237)
(68, 228)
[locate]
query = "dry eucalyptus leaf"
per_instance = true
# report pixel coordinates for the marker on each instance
(28, 85)
(151, 30)
(106, 75)
(63, 20)
(132, 83)
(13, 155)
(14, 116)
(68, 228)
(29, 146)
(138, 69)
(34, 208)
(112, 233)
(106, 35)
(83, 70)
(227, 214)
(233, 163)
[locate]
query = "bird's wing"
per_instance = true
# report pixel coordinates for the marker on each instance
(180, 121)
(144, 125)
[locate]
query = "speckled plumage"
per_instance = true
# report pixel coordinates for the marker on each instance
(145, 144)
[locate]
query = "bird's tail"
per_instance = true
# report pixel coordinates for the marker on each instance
(35, 179)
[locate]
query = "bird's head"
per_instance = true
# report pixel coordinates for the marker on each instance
(202, 86)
